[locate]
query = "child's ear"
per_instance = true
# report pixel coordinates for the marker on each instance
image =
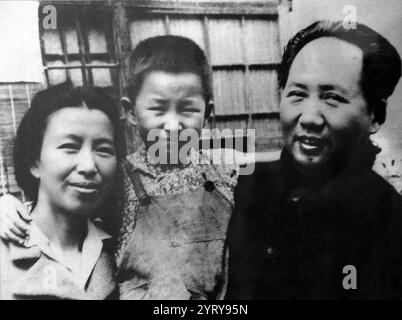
(128, 110)
(208, 109)
(34, 169)
(374, 126)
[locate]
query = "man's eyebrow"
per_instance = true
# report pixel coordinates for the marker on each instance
(299, 85)
(327, 87)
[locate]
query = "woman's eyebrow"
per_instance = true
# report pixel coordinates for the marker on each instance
(70, 136)
(77, 138)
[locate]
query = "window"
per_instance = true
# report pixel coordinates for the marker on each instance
(241, 40)
(81, 48)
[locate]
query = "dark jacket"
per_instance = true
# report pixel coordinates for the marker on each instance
(290, 239)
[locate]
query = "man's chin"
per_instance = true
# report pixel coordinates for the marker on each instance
(310, 161)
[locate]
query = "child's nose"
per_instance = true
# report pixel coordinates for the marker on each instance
(172, 123)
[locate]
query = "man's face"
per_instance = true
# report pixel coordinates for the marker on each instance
(323, 111)
(170, 102)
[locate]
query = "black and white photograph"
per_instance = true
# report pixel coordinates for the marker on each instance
(233, 150)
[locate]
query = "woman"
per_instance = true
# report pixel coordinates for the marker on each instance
(65, 160)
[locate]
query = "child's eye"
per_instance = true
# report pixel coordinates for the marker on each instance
(157, 108)
(191, 110)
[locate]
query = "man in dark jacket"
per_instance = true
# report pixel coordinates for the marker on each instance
(319, 223)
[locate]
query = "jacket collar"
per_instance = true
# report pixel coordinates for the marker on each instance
(351, 187)
(38, 243)
(358, 162)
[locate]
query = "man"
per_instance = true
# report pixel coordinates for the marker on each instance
(319, 223)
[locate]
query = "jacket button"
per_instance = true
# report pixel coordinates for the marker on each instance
(209, 186)
(295, 198)
(270, 250)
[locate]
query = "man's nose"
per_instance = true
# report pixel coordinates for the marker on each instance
(86, 163)
(311, 116)
(172, 123)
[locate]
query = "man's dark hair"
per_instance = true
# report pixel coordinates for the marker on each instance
(381, 68)
(30, 133)
(174, 54)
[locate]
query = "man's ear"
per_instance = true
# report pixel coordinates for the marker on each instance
(378, 115)
(128, 110)
(208, 110)
(34, 169)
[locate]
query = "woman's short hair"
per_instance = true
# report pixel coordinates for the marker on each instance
(381, 68)
(31, 130)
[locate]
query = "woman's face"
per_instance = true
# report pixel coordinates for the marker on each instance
(77, 162)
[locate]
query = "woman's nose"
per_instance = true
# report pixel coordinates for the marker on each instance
(86, 163)
(311, 115)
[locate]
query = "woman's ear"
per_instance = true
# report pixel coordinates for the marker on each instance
(128, 110)
(34, 169)
(378, 115)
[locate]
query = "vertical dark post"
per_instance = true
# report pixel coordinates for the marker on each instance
(122, 41)
(247, 77)
(207, 42)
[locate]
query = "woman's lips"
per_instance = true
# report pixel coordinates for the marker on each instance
(87, 188)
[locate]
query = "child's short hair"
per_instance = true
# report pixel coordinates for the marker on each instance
(170, 54)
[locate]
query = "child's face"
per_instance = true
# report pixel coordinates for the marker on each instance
(169, 102)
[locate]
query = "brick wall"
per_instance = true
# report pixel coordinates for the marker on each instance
(14, 101)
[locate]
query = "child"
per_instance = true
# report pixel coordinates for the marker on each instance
(174, 217)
